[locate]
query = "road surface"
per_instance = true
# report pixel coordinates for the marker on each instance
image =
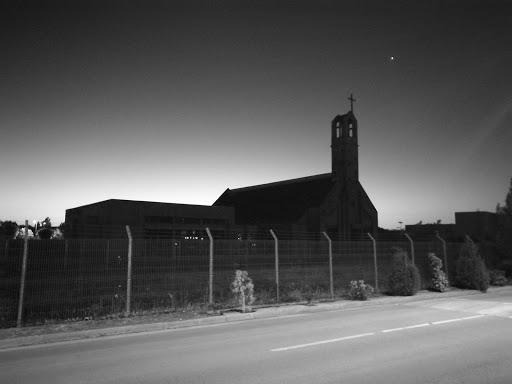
(453, 340)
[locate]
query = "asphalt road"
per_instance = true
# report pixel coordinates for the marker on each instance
(457, 340)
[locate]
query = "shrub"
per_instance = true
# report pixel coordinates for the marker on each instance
(471, 270)
(438, 280)
(266, 296)
(497, 277)
(294, 295)
(243, 288)
(358, 290)
(57, 235)
(8, 229)
(404, 279)
(45, 233)
(21, 233)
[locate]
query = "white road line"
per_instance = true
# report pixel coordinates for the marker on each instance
(459, 319)
(402, 328)
(418, 326)
(373, 333)
(322, 342)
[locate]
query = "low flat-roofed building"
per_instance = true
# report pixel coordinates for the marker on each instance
(426, 231)
(478, 225)
(150, 219)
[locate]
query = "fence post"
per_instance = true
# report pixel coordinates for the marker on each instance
(444, 254)
(129, 273)
(23, 274)
(412, 246)
(330, 265)
(210, 286)
(276, 251)
(375, 263)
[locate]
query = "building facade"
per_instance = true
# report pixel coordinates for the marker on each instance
(335, 202)
(150, 219)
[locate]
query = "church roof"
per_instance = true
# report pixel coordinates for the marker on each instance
(275, 203)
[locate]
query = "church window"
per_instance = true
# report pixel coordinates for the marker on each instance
(337, 132)
(350, 132)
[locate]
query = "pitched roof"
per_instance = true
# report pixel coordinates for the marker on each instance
(280, 202)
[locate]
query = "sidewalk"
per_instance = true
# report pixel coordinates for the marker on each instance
(259, 313)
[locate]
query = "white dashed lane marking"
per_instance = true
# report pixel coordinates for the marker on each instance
(323, 342)
(374, 333)
(409, 327)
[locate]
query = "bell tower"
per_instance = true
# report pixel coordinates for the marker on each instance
(344, 147)
(345, 170)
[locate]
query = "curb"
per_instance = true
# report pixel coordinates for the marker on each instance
(261, 313)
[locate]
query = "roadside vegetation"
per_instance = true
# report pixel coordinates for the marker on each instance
(471, 270)
(404, 279)
(438, 281)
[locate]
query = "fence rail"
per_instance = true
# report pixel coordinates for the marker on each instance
(93, 278)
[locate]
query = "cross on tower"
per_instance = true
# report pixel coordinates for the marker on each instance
(351, 98)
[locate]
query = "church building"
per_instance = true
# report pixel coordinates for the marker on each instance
(334, 202)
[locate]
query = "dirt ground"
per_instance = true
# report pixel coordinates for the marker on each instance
(112, 321)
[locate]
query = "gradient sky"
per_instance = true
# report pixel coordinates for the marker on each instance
(177, 101)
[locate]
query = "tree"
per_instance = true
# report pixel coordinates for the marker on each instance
(62, 230)
(471, 270)
(20, 234)
(8, 229)
(47, 223)
(46, 231)
(404, 279)
(58, 233)
(507, 208)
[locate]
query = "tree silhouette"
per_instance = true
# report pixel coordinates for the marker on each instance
(507, 208)
(8, 229)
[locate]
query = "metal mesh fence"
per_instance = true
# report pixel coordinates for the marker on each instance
(91, 278)
(169, 273)
(74, 279)
(10, 278)
(254, 256)
(352, 260)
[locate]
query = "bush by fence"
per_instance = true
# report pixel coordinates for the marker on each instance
(437, 278)
(471, 270)
(404, 279)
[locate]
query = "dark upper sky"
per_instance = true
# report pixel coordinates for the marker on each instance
(177, 101)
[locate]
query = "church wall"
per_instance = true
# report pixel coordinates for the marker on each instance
(329, 211)
(369, 215)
